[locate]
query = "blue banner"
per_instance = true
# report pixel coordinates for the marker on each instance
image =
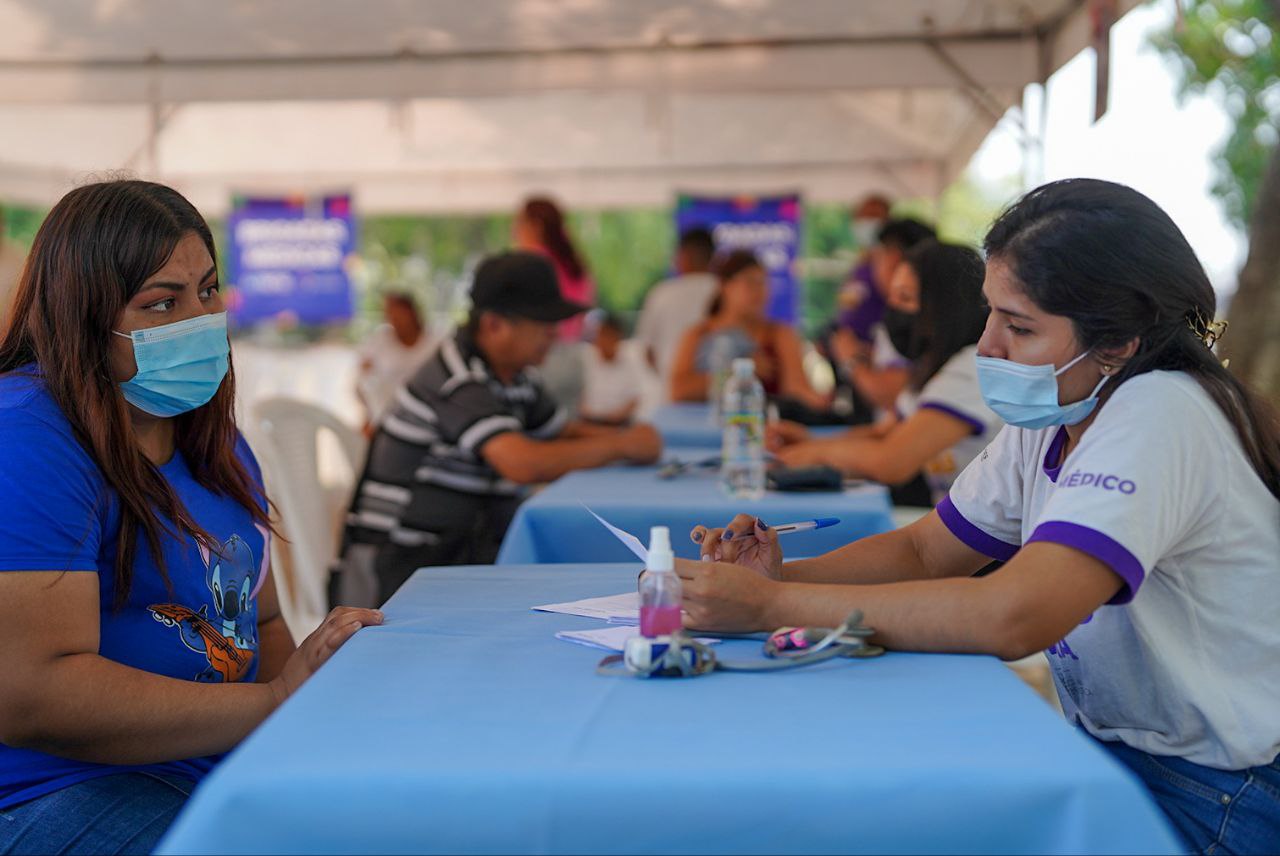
(289, 258)
(769, 226)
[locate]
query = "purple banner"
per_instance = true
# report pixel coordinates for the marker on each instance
(288, 259)
(769, 226)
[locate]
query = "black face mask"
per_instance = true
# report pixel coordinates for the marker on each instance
(901, 328)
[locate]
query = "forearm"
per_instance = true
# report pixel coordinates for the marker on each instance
(577, 429)
(948, 615)
(690, 386)
(89, 708)
(867, 457)
(879, 386)
(275, 646)
(888, 557)
(557, 458)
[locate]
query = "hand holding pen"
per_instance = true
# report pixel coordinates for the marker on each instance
(749, 541)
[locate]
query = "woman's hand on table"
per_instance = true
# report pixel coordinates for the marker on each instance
(641, 444)
(338, 626)
(779, 435)
(725, 597)
(810, 454)
(746, 541)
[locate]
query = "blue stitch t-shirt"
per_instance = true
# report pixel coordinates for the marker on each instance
(60, 515)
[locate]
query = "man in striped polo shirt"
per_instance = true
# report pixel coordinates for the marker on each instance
(472, 426)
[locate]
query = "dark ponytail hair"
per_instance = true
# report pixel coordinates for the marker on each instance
(725, 268)
(952, 311)
(1113, 262)
(555, 237)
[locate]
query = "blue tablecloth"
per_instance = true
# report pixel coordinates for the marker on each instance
(690, 425)
(553, 526)
(463, 726)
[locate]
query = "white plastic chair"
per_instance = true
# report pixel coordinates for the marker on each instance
(287, 433)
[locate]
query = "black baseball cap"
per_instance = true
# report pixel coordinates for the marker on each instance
(522, 284)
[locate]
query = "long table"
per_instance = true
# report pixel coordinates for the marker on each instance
(554, 526)
(463, 726)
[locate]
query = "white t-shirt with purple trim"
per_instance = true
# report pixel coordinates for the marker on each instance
(1185, 660)
(954, 390)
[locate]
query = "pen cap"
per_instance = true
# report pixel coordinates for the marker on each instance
(660, 556)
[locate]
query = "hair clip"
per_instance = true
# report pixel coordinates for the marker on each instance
(1205, 330)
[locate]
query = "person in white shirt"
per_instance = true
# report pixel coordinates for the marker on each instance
(676, 304)
(612, 384)
(935, 316)
(1134, 498)
(391, 355)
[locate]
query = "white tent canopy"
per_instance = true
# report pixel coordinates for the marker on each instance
(441, 105)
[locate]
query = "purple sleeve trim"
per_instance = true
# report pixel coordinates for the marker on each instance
(976, 426)
(971, 535)
(1102, 547)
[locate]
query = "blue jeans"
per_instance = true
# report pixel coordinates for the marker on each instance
(1214, 811)
(120, 813)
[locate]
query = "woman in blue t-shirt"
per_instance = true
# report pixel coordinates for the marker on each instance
(140, 625)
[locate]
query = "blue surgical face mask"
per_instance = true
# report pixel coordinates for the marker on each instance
(1027, 396)
(180, 365)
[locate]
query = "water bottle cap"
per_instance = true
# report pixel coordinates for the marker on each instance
(744, 367)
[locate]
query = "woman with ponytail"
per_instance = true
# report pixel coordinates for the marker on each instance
(540, 227)
(1134, 497)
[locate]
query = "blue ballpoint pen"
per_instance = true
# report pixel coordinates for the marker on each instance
(806, 525)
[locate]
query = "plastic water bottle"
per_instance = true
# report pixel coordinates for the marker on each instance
(719, 367)
(742, 449)
(659, 588)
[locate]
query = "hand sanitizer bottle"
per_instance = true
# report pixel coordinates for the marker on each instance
(659, 588)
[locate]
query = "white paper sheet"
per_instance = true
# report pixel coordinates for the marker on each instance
(617, 608)
(608, 639)
(632, 542)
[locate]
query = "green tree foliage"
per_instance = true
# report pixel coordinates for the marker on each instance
(19, 223)
(1230, 50)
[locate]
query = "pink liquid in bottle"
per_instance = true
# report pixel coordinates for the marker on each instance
(659, 620)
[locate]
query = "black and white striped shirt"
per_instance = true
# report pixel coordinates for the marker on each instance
(426, 482)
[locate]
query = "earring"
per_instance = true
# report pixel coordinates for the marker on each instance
(1107, 368)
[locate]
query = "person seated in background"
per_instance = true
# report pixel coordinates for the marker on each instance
(860, 302)
(935, 316)
(737, 325)
(612, 387)
(876, 371)
(391, 354)
(139, 617)
(446, 467)
(674, 305)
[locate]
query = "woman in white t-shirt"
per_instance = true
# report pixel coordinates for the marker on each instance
(1135, 500)
(612, 383)
(935, 317)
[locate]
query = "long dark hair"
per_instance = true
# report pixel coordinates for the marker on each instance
(555, 236)
(90, 257)
(1113, 262)
(952, 311)
(725, 268)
